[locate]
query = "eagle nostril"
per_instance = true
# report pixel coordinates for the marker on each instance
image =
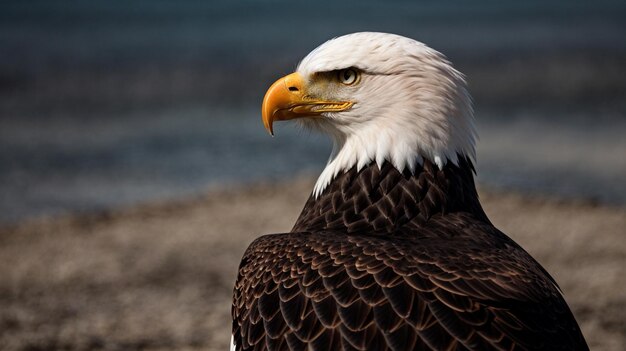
(292, 88)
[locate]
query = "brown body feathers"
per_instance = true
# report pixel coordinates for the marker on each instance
(384, 260)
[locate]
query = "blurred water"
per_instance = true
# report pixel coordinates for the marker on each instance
(570, 156)
(60, 167)
(53, 168)
(108, 103)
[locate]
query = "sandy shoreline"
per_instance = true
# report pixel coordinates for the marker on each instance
(159, 276)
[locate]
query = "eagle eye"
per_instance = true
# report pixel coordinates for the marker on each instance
(348, 76)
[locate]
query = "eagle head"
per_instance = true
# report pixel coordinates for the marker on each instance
(381, 97)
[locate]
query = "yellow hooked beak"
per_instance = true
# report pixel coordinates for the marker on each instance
(288, 98)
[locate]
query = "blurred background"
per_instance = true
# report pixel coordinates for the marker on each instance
(109, 103)
(135, 170)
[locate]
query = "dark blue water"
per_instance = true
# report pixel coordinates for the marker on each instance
(109, 103)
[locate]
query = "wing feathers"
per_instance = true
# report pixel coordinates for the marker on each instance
(326, 291)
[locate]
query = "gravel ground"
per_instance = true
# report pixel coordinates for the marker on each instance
(159, 276)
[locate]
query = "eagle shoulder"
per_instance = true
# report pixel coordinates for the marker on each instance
(453, 284)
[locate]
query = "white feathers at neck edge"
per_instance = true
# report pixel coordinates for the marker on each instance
(375, 145)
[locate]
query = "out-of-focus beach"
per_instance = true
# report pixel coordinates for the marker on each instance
(160, 276)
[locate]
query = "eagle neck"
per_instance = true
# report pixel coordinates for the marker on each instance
(384, 199)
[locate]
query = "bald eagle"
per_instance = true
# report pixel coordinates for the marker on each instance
(392, 250)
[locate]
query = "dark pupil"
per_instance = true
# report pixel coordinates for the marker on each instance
(346, 75)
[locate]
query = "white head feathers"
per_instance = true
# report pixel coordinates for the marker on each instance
(410, 104)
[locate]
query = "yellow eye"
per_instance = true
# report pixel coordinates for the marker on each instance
(348, 76)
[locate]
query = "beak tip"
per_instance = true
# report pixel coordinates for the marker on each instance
(269, 127)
